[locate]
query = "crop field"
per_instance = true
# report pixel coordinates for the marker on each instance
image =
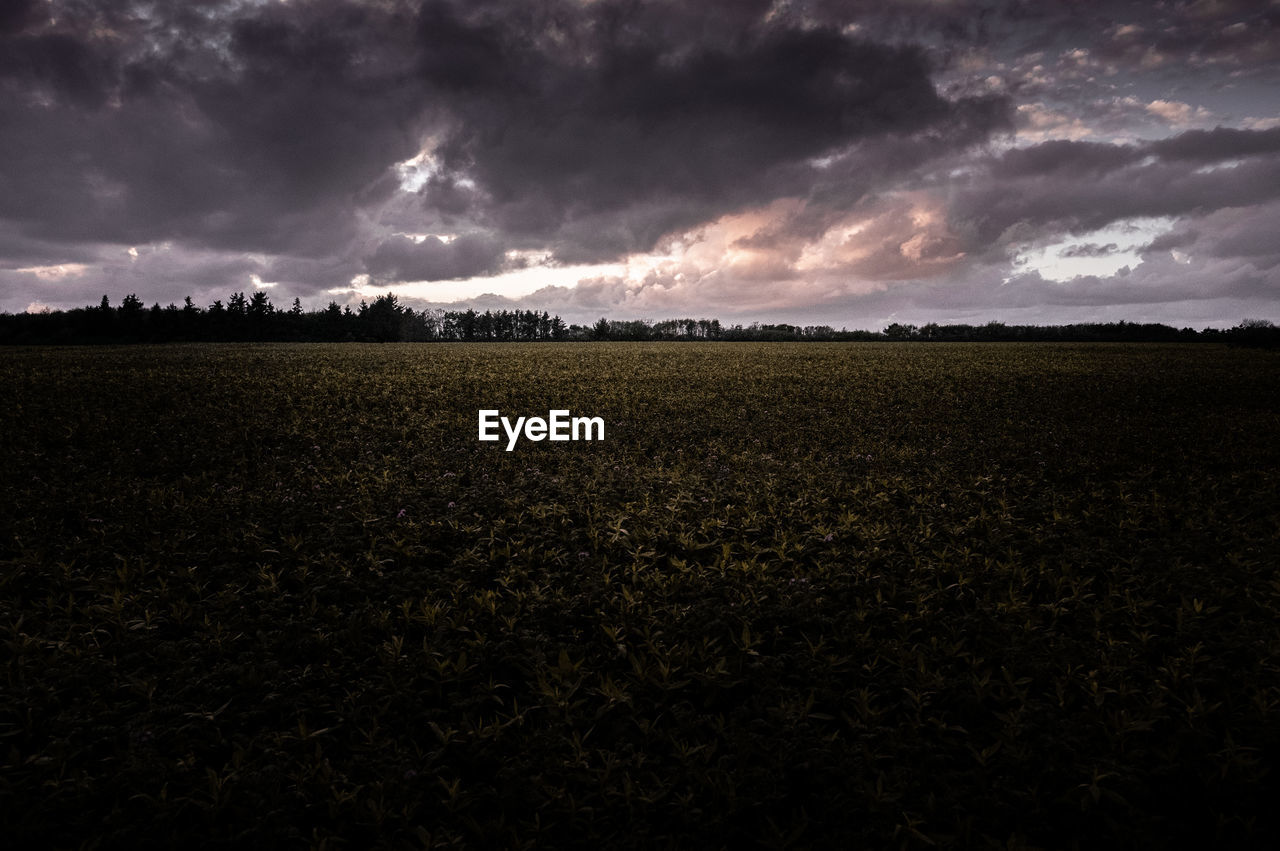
(801, 595)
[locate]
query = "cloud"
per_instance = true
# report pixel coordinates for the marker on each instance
(590, 130)
(1089, 249)
(626, 122)
(110, 270)
(1064, 158)
(1259, 123)
(401, 258)
(256, 127)
(1233, 233)
(1178, 113)
(1037, 122)
(15, 14)
(726, 156)
(1078, 187)
(1218, 144)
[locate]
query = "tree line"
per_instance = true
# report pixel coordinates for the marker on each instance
(255, 318)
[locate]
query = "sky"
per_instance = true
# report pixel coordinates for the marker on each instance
(835, 162)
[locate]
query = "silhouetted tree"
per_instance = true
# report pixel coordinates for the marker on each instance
(1257, 333)
(245, 318)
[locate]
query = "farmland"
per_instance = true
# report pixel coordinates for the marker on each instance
(809, 595)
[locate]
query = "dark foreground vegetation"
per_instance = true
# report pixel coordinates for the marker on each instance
(801, 596)
(387, 320)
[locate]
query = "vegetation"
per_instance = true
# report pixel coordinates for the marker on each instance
(388, 320)
(803, 595)
(256, 319)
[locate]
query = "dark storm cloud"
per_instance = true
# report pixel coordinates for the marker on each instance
(1221, 143)
(590, 128)
(432, 259)
(1171, 240)
(1079, 187)
(1251, 237)
(14, 15)
(1065, 158)
(303, 276)
(18, 249)
(1241, 34)
(59, 65)
(1089, 249)
(1246, 234)
(615, 123)
(257, 128)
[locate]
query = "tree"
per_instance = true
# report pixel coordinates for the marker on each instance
(384, 320)
(467, 324)
(260, 305)
(1261, 333)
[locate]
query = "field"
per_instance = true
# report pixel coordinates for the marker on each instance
(823, 595)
